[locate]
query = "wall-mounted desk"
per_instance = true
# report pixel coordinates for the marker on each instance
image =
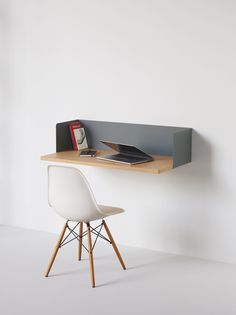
(159, 165)
(170, 146)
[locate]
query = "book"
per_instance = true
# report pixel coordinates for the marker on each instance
(90, 153)
(78, 135)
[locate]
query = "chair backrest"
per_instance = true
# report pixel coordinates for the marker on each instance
(70, 195)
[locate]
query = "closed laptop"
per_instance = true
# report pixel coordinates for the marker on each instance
(126, 154)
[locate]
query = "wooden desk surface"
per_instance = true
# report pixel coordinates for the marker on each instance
(159, 165)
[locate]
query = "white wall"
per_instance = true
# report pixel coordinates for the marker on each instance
(4, 108)
(154, 62)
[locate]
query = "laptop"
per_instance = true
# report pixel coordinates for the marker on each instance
(126, 154)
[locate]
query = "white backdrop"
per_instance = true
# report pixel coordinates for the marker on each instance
(153, 62)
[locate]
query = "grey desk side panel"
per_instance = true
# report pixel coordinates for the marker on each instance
(63, 137)
(182, 145)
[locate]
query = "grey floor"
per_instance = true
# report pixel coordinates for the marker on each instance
(154, 282)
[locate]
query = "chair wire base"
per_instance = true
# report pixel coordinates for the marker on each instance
(80, 238)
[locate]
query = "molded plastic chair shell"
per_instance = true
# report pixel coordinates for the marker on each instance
(70, 195)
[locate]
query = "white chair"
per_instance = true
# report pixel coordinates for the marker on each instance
(70, 195)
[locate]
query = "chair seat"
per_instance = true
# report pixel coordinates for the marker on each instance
(108, 210)
(103, 212)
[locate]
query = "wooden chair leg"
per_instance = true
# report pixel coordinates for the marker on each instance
(56, 250)
(114, 244)
(90, 247)
(80, 240)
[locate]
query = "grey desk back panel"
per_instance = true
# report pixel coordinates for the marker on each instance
(162, 140)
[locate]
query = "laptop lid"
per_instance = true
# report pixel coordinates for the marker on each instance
(125, 149)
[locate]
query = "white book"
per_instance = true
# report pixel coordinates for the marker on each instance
(80, 138)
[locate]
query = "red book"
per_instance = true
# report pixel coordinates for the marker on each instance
(72, 126)
(78, 136)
